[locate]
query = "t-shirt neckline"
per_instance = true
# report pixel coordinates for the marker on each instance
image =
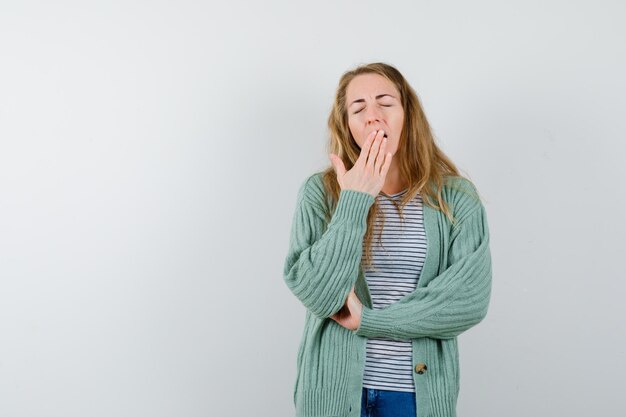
(397, 194)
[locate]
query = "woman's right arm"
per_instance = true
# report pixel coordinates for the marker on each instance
(322, 265)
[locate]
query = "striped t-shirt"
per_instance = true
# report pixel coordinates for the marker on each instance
(398, 264)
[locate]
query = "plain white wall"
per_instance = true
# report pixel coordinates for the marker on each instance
(150, 155)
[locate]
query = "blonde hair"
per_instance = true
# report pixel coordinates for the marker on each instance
(420, 161)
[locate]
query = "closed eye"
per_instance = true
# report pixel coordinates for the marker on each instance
(384, 105)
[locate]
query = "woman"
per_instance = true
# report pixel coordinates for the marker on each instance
(383, 315)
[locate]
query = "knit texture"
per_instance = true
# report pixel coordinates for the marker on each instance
(324, 262)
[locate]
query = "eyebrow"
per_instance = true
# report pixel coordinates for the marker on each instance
(362, 100)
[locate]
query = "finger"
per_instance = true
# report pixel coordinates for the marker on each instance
(362, 159)
(340, 168)
(371, 159)
(380, 158)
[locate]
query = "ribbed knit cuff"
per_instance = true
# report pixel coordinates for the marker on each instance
(353, 206)
(368, 326)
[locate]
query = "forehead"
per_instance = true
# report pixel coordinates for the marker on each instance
(369, 85)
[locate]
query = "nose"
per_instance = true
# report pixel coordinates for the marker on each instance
(373, 115)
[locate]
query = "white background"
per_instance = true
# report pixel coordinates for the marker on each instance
(150, 155)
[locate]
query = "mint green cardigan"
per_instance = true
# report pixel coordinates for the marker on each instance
(452, 295)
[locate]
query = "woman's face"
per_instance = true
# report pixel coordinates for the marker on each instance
(373, 102)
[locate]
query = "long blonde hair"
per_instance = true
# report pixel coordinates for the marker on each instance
(420, 161)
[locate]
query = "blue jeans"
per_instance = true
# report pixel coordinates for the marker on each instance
(384, 403)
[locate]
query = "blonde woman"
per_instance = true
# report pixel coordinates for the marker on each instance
(389, 253)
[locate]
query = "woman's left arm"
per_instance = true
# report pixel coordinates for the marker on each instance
(453, 301)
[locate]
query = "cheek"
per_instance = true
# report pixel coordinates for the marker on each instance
(355, 133)
(359, 141)
(399, 122)
(352, 124)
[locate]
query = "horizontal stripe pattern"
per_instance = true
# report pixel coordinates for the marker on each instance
(397, 261)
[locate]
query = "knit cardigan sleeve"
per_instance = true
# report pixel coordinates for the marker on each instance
(322, 265)
(453, 301)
